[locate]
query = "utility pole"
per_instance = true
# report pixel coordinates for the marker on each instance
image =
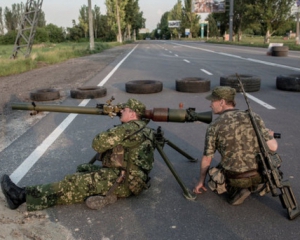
(27, 27)
(231, 20)
(91, 29)
(297, 30)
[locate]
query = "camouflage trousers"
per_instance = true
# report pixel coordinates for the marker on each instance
(235, 185)
(75, 188)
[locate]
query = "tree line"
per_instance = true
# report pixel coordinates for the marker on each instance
(254, 17)
(104, 25)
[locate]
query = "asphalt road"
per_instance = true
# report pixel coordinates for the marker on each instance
(162, 212)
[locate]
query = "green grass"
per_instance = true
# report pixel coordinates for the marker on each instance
(258, 41)
(45, 54)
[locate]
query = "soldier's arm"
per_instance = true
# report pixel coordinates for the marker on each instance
(108, 139)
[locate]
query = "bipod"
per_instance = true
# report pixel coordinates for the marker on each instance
(160, 141)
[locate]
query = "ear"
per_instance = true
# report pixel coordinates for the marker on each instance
(133, 115)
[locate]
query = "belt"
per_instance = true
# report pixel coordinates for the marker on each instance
(248, 174)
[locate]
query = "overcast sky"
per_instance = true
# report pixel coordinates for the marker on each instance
(62, 12)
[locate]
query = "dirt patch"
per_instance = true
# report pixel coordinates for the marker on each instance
(20, 224)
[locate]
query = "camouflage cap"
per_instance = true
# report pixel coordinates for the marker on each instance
(220, 92)
(134, 105)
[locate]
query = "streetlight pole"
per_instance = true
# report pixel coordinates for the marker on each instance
(231, 20)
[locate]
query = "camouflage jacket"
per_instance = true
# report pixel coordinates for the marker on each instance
(233, 136)
(138, 146)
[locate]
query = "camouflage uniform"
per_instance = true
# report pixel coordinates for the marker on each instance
(233, 136)
(96, 180)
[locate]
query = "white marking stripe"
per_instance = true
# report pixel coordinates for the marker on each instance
(25, 166)
(186, 60)
(208, 73)
(247, 59)
(260, 102)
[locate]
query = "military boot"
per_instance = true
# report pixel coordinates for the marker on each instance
(14, 195)
(98, 202)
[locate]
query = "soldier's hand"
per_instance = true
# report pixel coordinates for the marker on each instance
(197, 189)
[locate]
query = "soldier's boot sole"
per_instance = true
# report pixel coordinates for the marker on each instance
(98, 202)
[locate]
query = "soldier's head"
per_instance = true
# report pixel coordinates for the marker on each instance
(132, 110)
(222, 98)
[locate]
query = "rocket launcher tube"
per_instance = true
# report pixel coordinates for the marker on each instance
(156, 115)
(177, 115)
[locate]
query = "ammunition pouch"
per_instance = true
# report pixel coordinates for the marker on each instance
(116, 159)
(216, 180)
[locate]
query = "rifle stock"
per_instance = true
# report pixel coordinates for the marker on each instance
(270, 168)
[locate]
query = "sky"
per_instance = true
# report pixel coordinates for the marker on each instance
(62, 12)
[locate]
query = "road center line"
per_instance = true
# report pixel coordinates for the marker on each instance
(28, 163)
(186, 60)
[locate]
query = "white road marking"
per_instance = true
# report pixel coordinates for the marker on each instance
(28, 163)
(260, 102)
(186, 60)
(176, 55)
(207, 72)
(247, 59)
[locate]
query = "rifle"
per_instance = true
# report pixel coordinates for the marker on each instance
(270, 163)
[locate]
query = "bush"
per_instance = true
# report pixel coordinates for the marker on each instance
(41, 35)
(56, 34)
(9, 38)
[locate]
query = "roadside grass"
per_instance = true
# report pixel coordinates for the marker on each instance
(257, 41)
(46, 54)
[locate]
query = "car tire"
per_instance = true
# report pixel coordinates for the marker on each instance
(251, 83)
(192, 85)
(280, 51)
(47, 94)
(143, 86)
(288, 83)
(88, 92)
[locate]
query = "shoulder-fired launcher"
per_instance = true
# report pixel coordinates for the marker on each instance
(157, 114)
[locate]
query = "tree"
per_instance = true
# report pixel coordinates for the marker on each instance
(190, 19)
(97, 17)
(176, 14)
(164, 26)
(75, 32)
(84, 19)
(55, 33)
(1, 22)
(133, 18)
(213, 27)
(116, 16)
(105, 31)
(12, 17)
(271, 14)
